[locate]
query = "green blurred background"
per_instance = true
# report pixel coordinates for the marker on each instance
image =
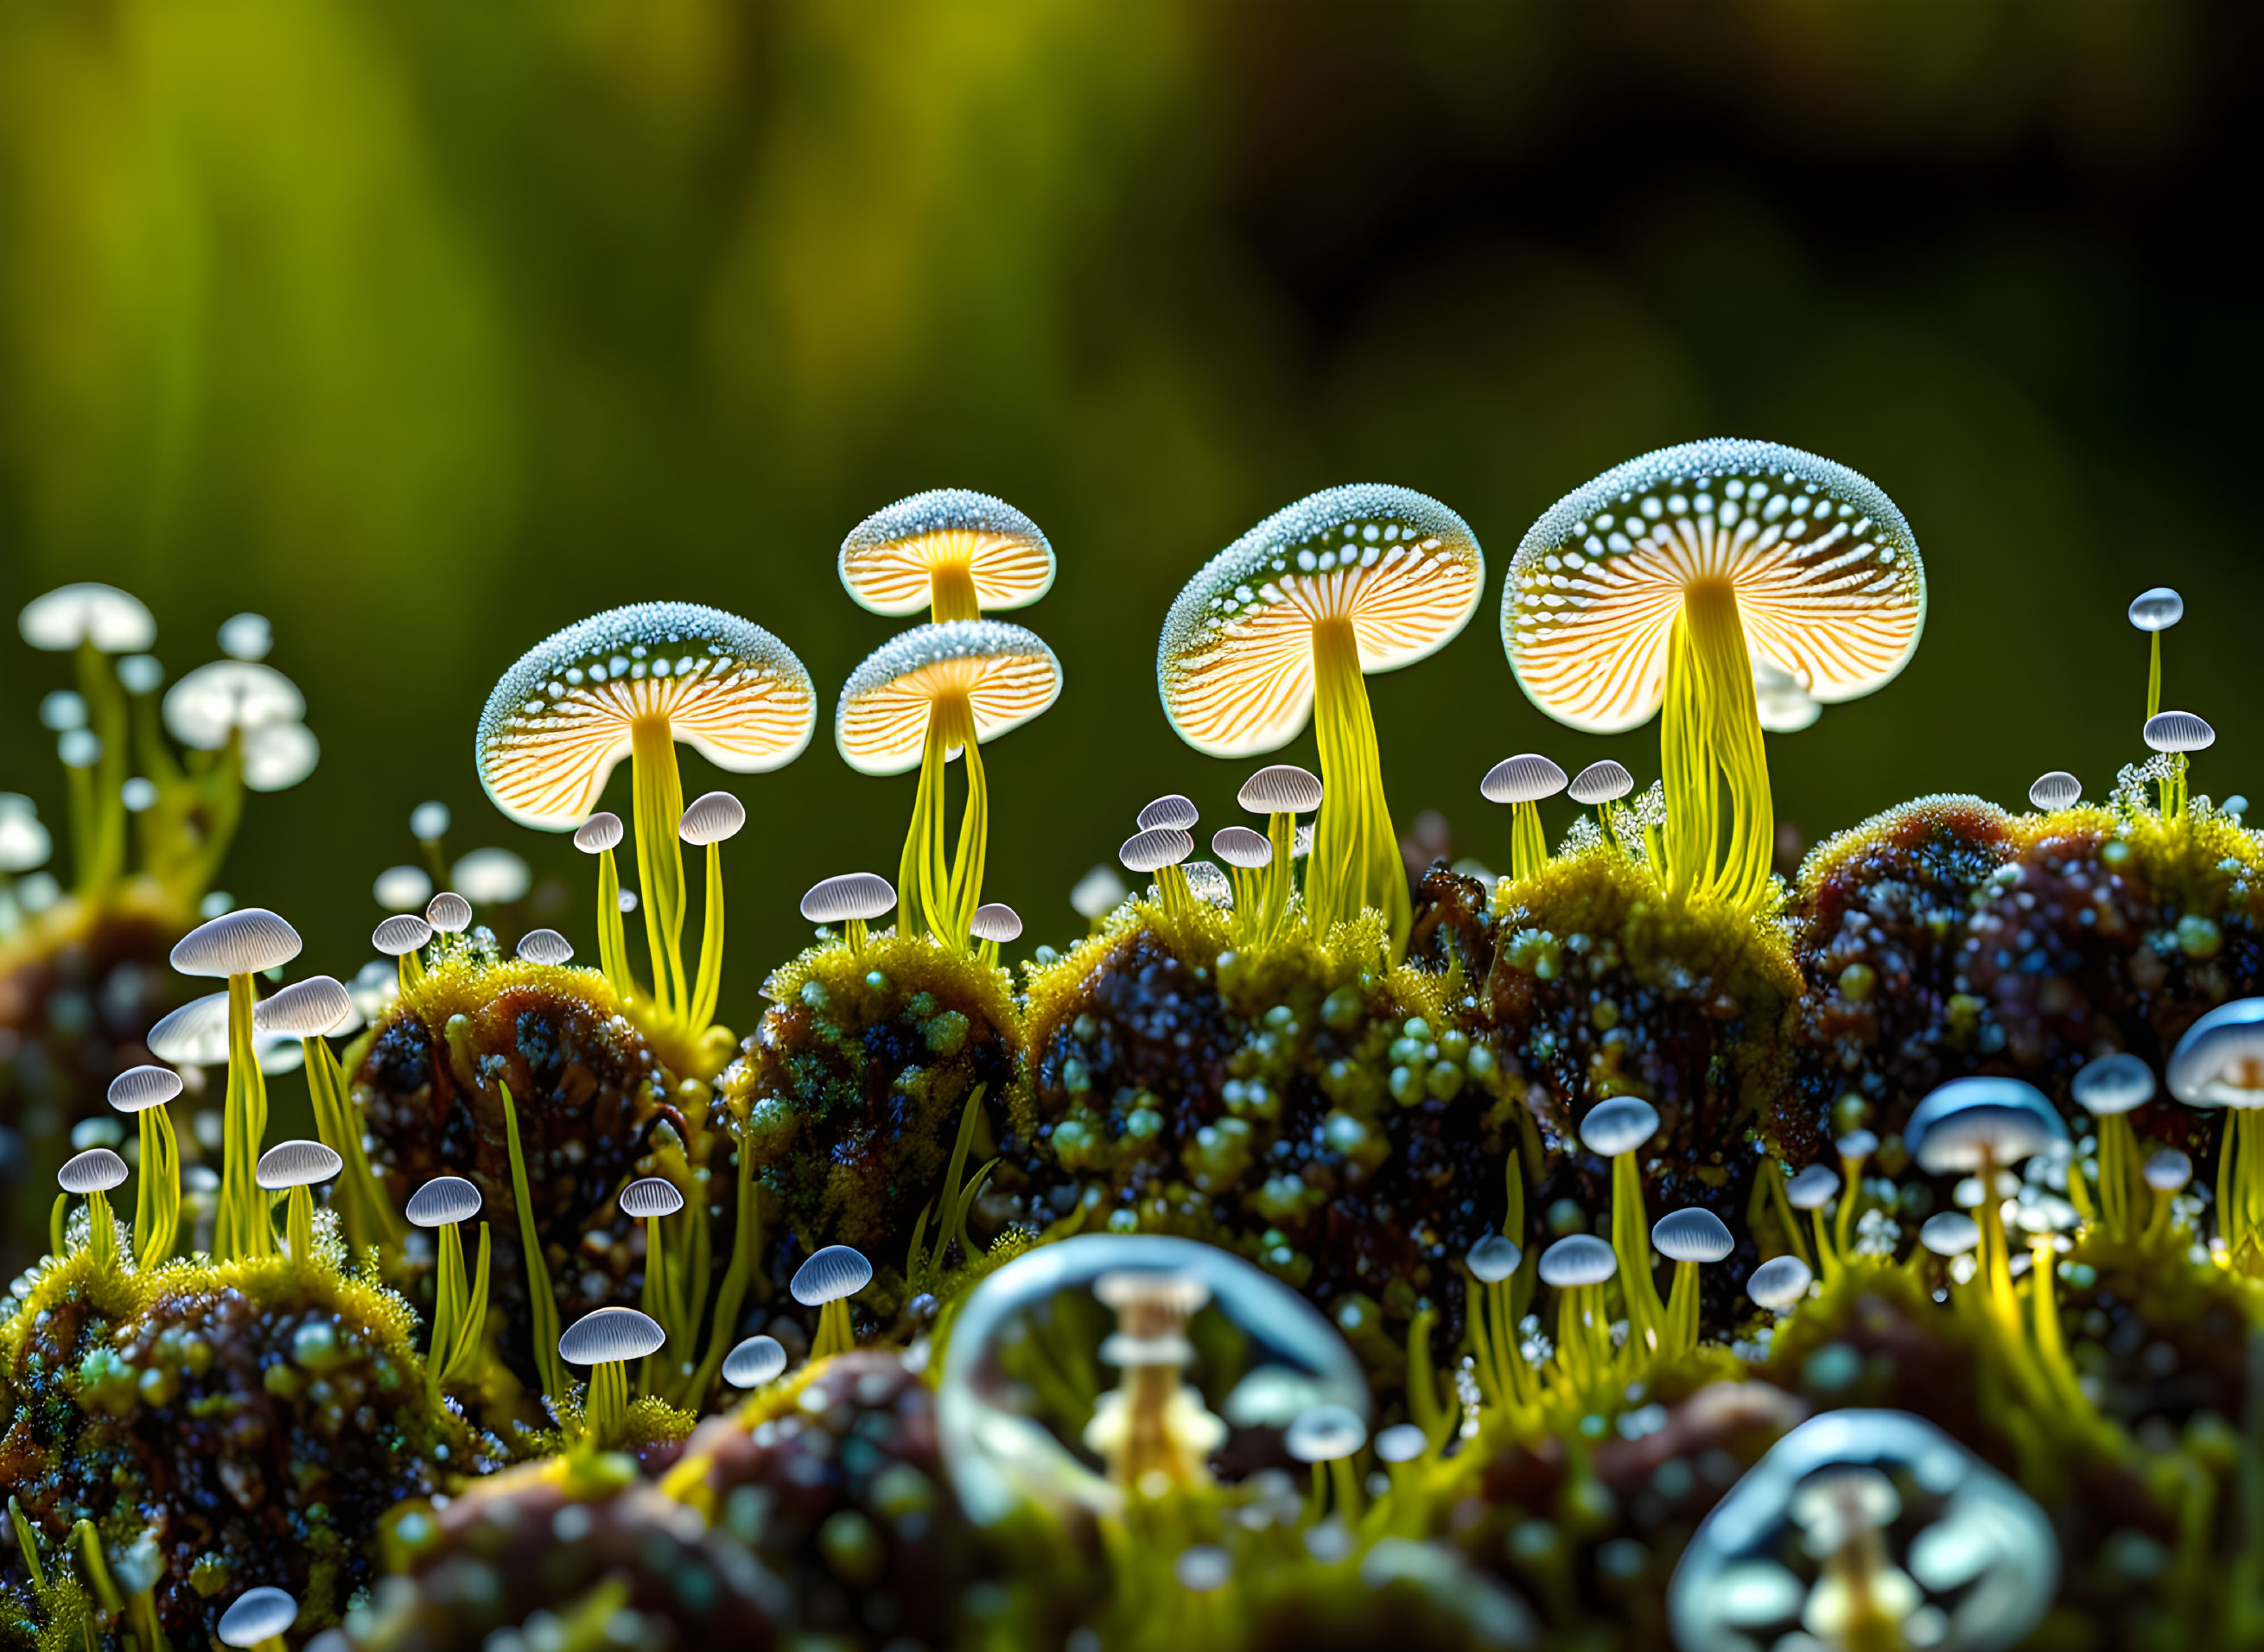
(425, 327)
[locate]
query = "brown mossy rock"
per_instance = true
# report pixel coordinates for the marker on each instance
(1453, 927)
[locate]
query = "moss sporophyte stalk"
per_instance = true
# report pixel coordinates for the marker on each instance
(1637, 1246)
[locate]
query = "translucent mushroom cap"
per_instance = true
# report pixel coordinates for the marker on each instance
(1815, 1187)
(1602, 782)
(1494, 1258)
(2178, 731)
(495, 876)
(110, 618)
(95, 1170)
(603, 831)
(203, 707)
(257, 1615)
(1526, 777)
(403, 932)
(1964, 1545)
(443, 1200)
(448, 913)
(239, 943)
(1692, 1235)
(1619, 1125)
(890, 560)
(1235, 664)
(994, 921)
(1280, 788)
(1780, 1283)
(830, 1274)
(296, 1164)
(1239, 846)
(752, 1363)
(860, 896)
(1826, 572)
(608, 1335)
(196, 1035)
(561, 718)
(546, 946)
(2157, 610)
(1172, 810)
(1005, 675)
(2168, 1170)
(651, 1196)
(2112, 1084)
(2220, 1060)
(1580, 1259)
(2057, 790)
(1324, 1434)
(1951, 1233)
(1151, 850)
(310, 1009)
(1968, 1120)
(1857, 1144)
(397, 886)
(139, 1089)
(710, 818)
(247, 636)
(277, 756)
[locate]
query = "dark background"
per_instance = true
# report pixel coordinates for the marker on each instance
(424, 328)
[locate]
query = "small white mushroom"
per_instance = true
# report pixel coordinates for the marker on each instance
(608, 1335)
(240, 943)
(651, 1196)
(1603, 782)
(546, 946)
(1171, 810)
(448, 913)
(1242, 848)
(2057, 790)
(2168, 1171)
(257, 1615)
(603, 831)
(1618, 1125)
(1813, 1188)
(204, 707)
(2179, 731)
(428, 821)
(996, 922)
(108, 618)
(1527, 778)
(852, 895)
(403, 933)
(2157, 610)
(139, 1089)
(95, 1170)
(2112, 1084)
(318, 1007)
(63, 711)
(757, 1360)
(832, 1273)
(1952, 1233)
(1692, 1235)
(443, 1200)
(1280, 788)
(247, 636)
(1494, 1258)
(491, 877)
(1149, 852)
(399, 886)
(710, 818)
(296, 1164)
(1097, 894)
(1581, 1259)
(1779, 1284)
(1325, 1434)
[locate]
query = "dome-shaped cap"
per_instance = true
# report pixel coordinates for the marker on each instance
(1857, 1144)
(560, 719)
(752, 1363)
(1951, 1233)
(2168, 1170)
(1235, 664)
(113, 621)
(1970, 1118)
(196, 1035)
(310, 1009)
(1239, 846)
(603, 831)
(606, 1336)
(1692, 1235)
(1526, 777)
(710, 818)
(832, 1273)
(202, 708)
(239, 943)
(651, 1196)
(296, 1164)
(1829, 584)
(2178, 731)
(1325, 1434)
(247, 636)
(494, 876)
(1778, 1284)
(890, 560)
(1280, 788)
(2057, 790)
(860, 896)
(95, 1170)
(443, 1200)
(139, 1089)
(404, 933)
(2220, 1060)
(1096, 893)
(2157, 610)
(277, 756)
(1578, 1260)
(1171, 810)
(1813, 1188)
(1602, 782)
(257, 1615)
(1150, 851)
(994, 921)
(448, 913)
(1618, 1125)
(1005, 674)
(545, 947)
(1494, 1258)
(2112, 1084)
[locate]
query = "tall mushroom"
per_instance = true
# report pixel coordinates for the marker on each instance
(1522, 782)
(95, 623)
(238, 946)
(2219, 1062)
(312, 1011)
(1282, 627)
(1665, 582)
(958, 554)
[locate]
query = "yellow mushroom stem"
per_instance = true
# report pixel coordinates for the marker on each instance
(410, 966)
(1712, 757)
(1172, 890)
(542, 1303)
(855, 928)
(157, 1193)
(364, 1209)
(1529, 847)
(2157, 1226)
(605, 1406)
(951, 591)
(709, 987)
(2122, 1184)
(937, 888)
(299, 1223)
(102, 1231)
(1355, 865)
(2044, 1313)
(1996, 1260)
(240, 1228)
(1851, 1191)
(659, 1300)
(659, 810)
(1584, 1343)
(459, 1312)
(1631, 1245)
(1504, 1379)
(1769, 1194)
(102, 852)
(1277, 880)
(2240, 1189)
(2154, 676)
(1680, 1335)
(613, 940)
(1863, 1621)
(834, 1333)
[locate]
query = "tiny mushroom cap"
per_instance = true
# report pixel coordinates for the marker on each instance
(1950, 1233)
(404, 933)
(1857, 1144)
(651, 1196)
(1619, 1125)
(278, 756)
(754, 1362)
(546, 946)
(428, 821)
(1829, 589)
(561, 718)
(204, 707)
(139, 1089)
(860, 896)
(891, 560)
(2058, 789)
(1778, 1284)
(1005, 675)
(113, 621)
(830, 1274)
(1580, 1259)
(1813, 1188)
(1171, 809)
(2179, 731)
(1151, 850)
(1603, 782)
(2157, 610)
(1236, 660)
(448, 912)
(493, 876)
(397, 886)
(1239, 846)
(710, 818)
(1324, 1434)
(239, 943)
(1096, 893)
(95, 1170)
(1526, 777)
(2220, 1060)
(1494, 1258)
(603, 831)
(1692, 1235)
(257, 1615)
(442, 1201)
(309, 1008)
(247, 636)
(1969, 1119)
(2168, 1171)
(2112, 1084)
(606, 1336)
(1280, 788)
(994, 921)
(296, 1164)
(1401, 1443)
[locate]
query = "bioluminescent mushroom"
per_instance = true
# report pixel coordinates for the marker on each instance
(238, 946)
(1779, 1284)
(1280, 792)
(459, 1307)
(708, 821)
(1689, 1238)
(993, 924)
(1156, 853)
(665, 1291)
(632, 682)
(399, 886)
(752, 1363)
(1503, 1377)
(545, 947)
(921, 699)
(1663, 583)
(278, 756)
(246, 636)
(448, 913)
(1151, 1428)
(2219, 1062)
(2167, 1173)
(95, 622)
(2055, 790)
(257, 1618)
(293, 1168)
(2176, 735)
(1522, 782)
(1978, 1126)
(401, 938)
(2154, 612)
(600, 835)
(826, 1282)
(1812, 1190)
(94, 1176)
(1099, 892)
(1578, 1267)
(313, 1012)
(2109, 1088)
(144, 1091)
(1597, 787)
(1283, 627)
(491, 877)
(1327, 1437)
(854, 899)
(606, 1340)
(958, 554)
(1616, 1130)
(1172, 810)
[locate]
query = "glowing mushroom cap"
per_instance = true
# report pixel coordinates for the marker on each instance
(1151, 850)
(2112, 1084)
(603, 831)
(110, 618)
(2178, 731)
(1692, 1235)
(277, 756)
(546, 946)
(403, 932)
(1618, 1125)
(1280, 788)
(651, 1196)
(1005, 674)
(1096, 893)
(830, 1274)
(994, 921)
(1401, 1443)
(1951, 1233)
(202, 708)
(1813, 1188)
(710, 818)
(1776, 1285)
(1494, 1258)
(1526, 777)
(2057, 790)
(296, 1164)
(1236, 662)
(247, 636)
(139, 1089)
(2157, 610)
(561, 718)
(860, 896)
(2168, 1170)
(1829, 584)
(495, 876)
(1580, 1259)
(443, 1200)
(310, 1009)
(890, 560)
(2220, 1060)
(1171, 809)
(1239, 846)
(257, 1615)
(397, 886)
(1324, 1434)
(1969, 1119)
(95, 1170)
(239, 943)
(605, 1336)
(1602, 782)
(752, 1363)
(448, 913)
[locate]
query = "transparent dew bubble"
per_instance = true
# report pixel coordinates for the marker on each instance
(79, 748)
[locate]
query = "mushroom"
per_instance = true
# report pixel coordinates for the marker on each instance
(1616, 1130)
(314, 1010)
(957, 554)
(448, 913)
(1099, 892)
(712, 818)
(1280, 792)
(296, 1166)
(605, 1339)
(93, 1174)
(2055, 790)
(144, 1092)
(238, 946)
(647, 1200)
(994, 924)
(2167, 1174)
(257, 1618)
(826, 1282)
(1688, 1238)
(1780, 705)
(920, 701)
(633, 682)
(752, 1363)
(247, 636)
(1327, 1437)
(1152, 1425)
(1597, 787)
(1979, 1125)
(1171, 810)
(492, 877)
(401, 938)
(2219, 1062)
(2108, 1089)
(398, 887)
(1503, 1377)
(96, 622)
(1665, 582)
(1779, 1284)
(600, 835)
(1578, 1267)
(1282, 627)
(1248, 853)
(1815, 1187)
(2174, 734)
(852, 899)
(458, 1309)
(2154, 612)
(229, 697)
(1157, 853)
(100, 617)
(278, 756)
(1521, 782)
